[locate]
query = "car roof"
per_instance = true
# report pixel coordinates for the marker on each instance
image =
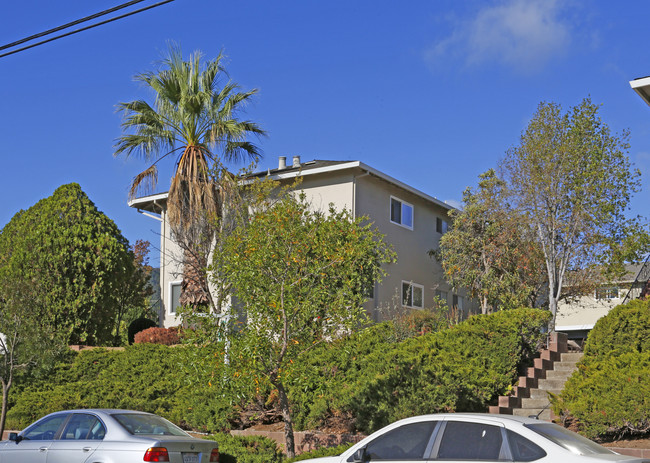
(480, 416)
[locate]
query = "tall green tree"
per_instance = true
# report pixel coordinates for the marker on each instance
(132, 295)
(299, 277)
(194, 121)
(489, 250)
(27, 341)
(571, 179)
(71, 258)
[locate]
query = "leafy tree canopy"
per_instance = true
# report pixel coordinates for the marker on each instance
(300, 277)
(489, 249)
(67, 260)
(571, 179)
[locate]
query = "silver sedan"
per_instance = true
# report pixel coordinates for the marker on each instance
(105, 436)
(476, 438)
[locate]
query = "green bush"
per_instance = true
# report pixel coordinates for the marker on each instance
(322, 379)
(626, 328)
(368, 380)
(247, 449)
(185, 384)
(610, 396)
(321, 452)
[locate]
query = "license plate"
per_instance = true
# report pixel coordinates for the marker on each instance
(190, 458)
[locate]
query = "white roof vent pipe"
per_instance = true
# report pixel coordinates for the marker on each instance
(282, 162)
(296, 161)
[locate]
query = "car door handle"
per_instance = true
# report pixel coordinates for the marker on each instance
(42, 449)
(87, 449)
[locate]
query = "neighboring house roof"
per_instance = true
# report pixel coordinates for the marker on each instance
(642, 87)
(156, 203)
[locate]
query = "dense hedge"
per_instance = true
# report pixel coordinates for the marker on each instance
(322, 452)
(372, 381)
(247, 449)
(626, 328)
(187, 385)
(609, 395)
(364, 381)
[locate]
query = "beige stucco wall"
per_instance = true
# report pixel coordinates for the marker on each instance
(171, 271)
(363, 194)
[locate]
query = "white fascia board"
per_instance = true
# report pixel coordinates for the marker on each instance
(362, 166)
(574, 327)
(320, 170)
(147, 199)
(642, 87)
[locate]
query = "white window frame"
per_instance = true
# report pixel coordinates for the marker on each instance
(412, 285)
(403, 203)
(170, 301)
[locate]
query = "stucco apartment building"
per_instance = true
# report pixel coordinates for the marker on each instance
(412, 222)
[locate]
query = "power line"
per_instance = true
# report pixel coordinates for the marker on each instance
(73, 23)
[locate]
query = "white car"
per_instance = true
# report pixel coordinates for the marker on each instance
(105, 436)
(468, 437)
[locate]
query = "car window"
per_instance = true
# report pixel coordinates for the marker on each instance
(82, 426)
(407, 442)
(471, 441)
(44, 429)
(522, 449)
(141, 423)
(571, 441)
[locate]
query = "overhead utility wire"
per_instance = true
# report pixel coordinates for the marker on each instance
(73, 23)
(84, 28)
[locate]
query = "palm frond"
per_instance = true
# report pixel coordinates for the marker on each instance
(144, 182)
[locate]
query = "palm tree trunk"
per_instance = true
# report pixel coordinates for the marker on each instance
(194, 288)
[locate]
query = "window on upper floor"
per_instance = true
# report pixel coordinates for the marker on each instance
(401, 213)
(441, 225)
(412, 295)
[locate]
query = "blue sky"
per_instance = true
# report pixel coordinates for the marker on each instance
(430, 92)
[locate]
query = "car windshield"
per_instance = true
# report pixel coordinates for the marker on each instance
(569, 440)
(141, 423)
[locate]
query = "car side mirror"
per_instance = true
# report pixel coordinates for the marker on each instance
(13, 436)
(360, 456)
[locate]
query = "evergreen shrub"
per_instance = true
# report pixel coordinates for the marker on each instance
(247, 449)
(608, 397)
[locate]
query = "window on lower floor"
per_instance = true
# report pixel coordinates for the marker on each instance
(457, 302)
(610, 292)
(174, 296)
(412, 294)
(401, 213)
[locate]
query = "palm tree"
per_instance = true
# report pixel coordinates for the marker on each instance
(193, 120)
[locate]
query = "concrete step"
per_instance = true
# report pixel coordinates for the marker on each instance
(542, 394)
(559, 374)
(551, 384)
(564, 366)
(528, 404)
(571, 357)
